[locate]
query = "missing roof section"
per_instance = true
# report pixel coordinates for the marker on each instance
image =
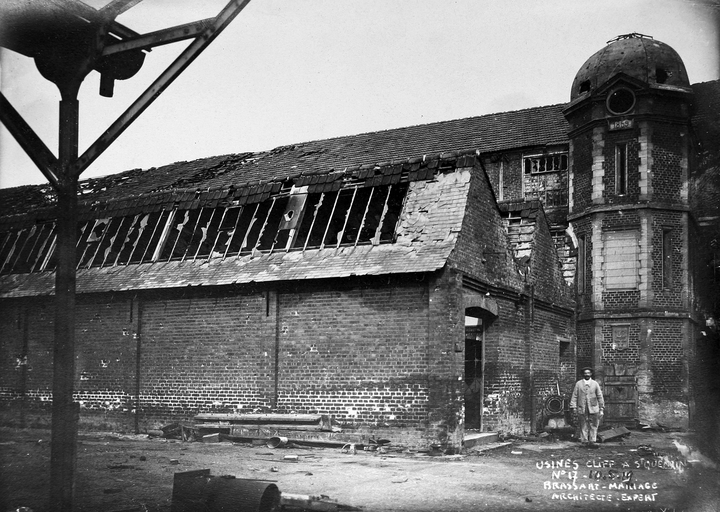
(355, 207)
(297, 220)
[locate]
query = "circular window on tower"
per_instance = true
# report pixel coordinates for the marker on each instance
(621, 101)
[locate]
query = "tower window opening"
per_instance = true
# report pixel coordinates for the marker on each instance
(667, 258)
(581, 264)
(661, 75)
(584, 86)
(621, 101)
(621, 175)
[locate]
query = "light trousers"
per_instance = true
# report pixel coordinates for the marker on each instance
(588, 426)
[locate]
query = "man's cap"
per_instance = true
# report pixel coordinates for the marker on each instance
(587, 368)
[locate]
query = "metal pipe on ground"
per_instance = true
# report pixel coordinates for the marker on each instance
(198, 491)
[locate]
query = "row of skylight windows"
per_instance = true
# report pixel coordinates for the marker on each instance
(294, 221)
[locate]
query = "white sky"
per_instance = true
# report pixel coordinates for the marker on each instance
(287, 71)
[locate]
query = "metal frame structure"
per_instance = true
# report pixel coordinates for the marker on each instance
(68, 39)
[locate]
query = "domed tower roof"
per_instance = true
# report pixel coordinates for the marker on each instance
(638, 56)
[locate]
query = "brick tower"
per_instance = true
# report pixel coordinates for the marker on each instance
(629, 118)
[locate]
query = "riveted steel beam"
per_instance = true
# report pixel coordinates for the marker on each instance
(159, 37)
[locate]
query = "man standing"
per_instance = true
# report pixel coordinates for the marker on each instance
(587, 399)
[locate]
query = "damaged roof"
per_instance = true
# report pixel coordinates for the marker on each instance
(396, 218)
(537, 126)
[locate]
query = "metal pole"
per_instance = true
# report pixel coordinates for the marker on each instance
(64, 410)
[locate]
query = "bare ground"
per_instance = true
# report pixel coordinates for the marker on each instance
(126, 473)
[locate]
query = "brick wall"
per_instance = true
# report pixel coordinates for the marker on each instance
(507, 381)
(667, 358)
(104, 366)
(359, 354)
(585, 331)
(546, 271)
(667, 155)
(567, 253)
(581, 160)
(206, 353)
(482, 250)
(26, 355)
(105, 363)
(674, 222)
(362, 350)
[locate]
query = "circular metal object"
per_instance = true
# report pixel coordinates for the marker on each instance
(555, 404)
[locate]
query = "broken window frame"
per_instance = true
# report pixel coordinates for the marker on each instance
(557, 159)
(337, 217)
(548, 163)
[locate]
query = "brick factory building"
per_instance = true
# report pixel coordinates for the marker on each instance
(415, 284)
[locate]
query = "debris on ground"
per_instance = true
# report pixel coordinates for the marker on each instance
(615, 433)
(305, 502)
(486, 447)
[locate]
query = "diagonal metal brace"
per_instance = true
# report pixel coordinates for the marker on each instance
(201, 42)
(159, 37)
(33, 146)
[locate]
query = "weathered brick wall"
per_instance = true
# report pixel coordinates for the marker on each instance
(206, 353)
(506, 175)
(512, 176)
(26, 353)
(549, 328)
(581, 160)
(512, 390)
(567, 254)
(667, 154)
(553, 358)
(104, 366)
(360, 354)
(668, 297)
(507, 380)
(482, 250)
(667, 358)
(363, 351)
(546, 272)
(585, 331)
(105, 363)
(494, 167)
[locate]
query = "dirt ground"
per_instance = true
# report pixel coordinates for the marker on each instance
(659, 472)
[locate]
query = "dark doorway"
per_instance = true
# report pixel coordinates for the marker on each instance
(474, 347)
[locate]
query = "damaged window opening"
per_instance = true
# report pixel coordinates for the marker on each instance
(9, 250)
(546, 163)
(661, 75)
(40, 252)
(292, 220)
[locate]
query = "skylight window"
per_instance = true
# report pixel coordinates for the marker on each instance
(289, 220)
